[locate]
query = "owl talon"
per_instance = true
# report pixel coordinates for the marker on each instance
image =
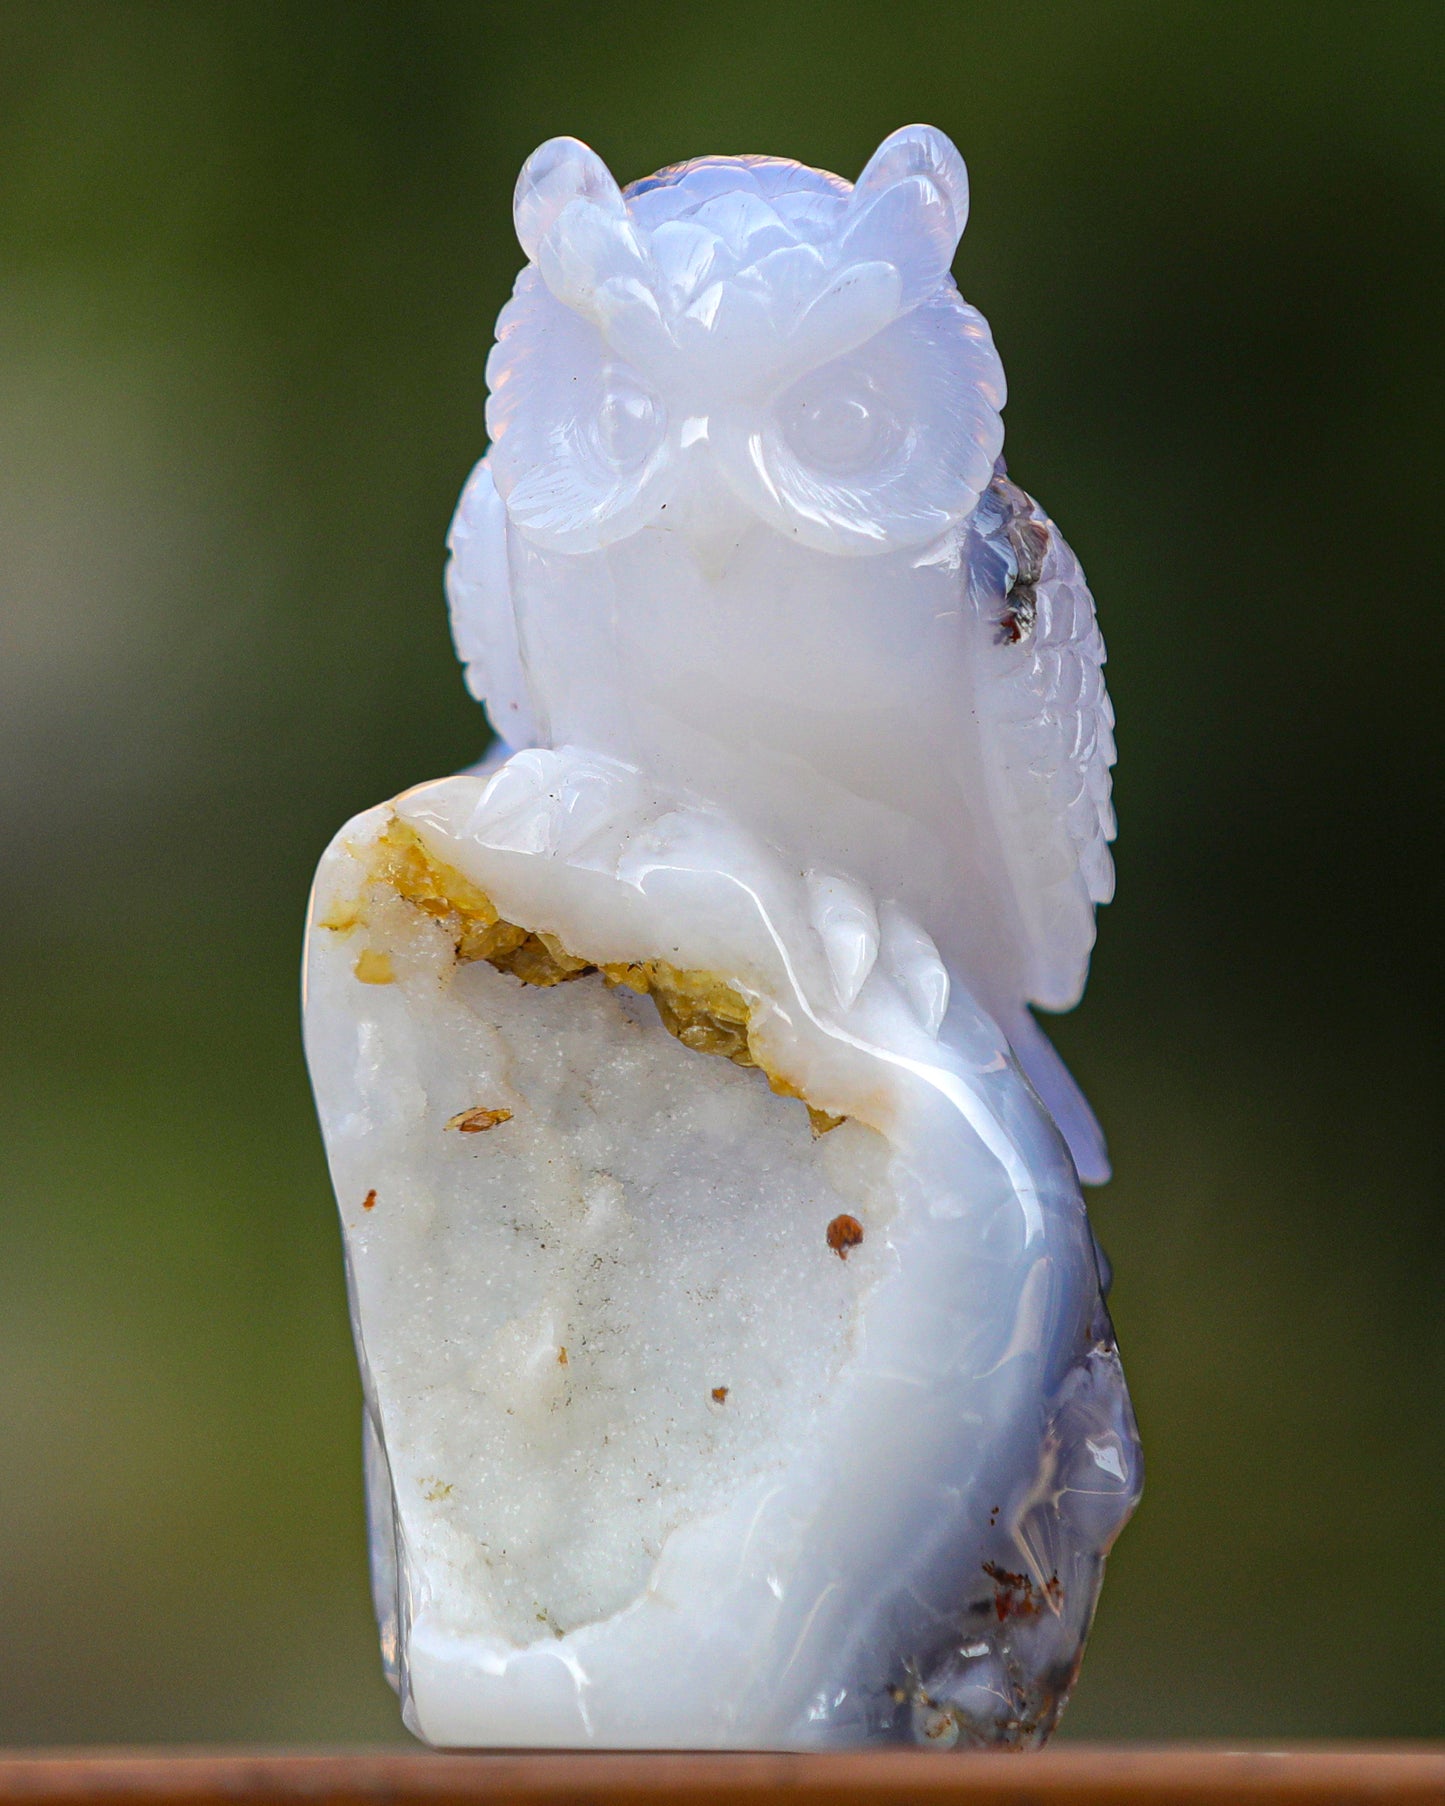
(842, 912)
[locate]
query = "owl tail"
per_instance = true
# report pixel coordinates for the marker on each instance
(1061, 1097)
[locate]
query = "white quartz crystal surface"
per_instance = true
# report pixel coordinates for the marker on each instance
(647, 1229)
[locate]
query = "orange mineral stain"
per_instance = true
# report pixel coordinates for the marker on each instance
(477, 1122)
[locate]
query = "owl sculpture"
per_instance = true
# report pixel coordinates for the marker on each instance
(733, 1338)
(745, 523)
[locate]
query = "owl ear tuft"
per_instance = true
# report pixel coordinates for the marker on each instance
(918, 150)
(557, 173)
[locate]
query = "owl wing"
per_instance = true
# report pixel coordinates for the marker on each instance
(484, 622)
(1049, 732)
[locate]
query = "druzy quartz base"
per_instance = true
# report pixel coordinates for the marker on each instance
(736, 1367)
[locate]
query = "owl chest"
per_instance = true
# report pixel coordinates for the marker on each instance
(775, 629)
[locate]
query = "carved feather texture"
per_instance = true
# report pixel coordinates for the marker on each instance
(479, 599)
(1042, 688)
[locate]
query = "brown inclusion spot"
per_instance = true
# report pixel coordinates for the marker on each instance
(369, 1201)
(1014, 1595)
(844, 1232)
(1029, 542)
(719, 1395)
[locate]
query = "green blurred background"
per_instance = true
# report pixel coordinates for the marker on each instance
(250, 256)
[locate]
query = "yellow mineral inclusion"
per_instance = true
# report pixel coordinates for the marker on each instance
(702, 1010)
(374, 968)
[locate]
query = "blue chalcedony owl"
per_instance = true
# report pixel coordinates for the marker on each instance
(744, 523)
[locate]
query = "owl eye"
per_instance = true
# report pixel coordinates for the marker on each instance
(840, 430)
(881, 450)
(629, 423)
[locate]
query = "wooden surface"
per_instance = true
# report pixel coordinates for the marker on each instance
(1068, 1776)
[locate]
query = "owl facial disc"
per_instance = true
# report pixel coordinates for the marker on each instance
(849, 395)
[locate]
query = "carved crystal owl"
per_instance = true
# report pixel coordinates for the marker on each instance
(744, 524)
(736, 1362)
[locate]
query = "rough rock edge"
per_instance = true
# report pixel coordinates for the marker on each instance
(701, 1009)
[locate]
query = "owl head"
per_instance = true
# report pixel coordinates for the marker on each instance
(748, 329)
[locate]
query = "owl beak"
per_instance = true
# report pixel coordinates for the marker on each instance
(713, 548)
(704, 512)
